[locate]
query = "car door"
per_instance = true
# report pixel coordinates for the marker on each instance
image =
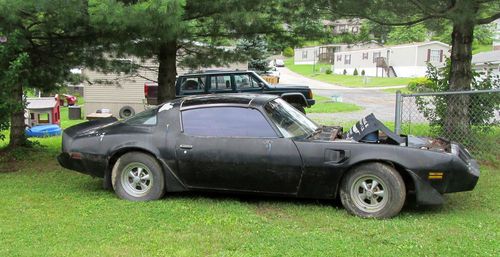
(220, 84)
(246, 82)
(235, 148)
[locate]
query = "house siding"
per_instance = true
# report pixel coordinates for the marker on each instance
(407, 60)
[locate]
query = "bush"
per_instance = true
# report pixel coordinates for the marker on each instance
(288, 52)
(476, 111)
(355, 73)
(420, 85)
(328, 71)
(363, 72)
(344, 72)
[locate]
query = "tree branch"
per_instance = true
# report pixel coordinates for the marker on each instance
(488, 19)
(393, 23)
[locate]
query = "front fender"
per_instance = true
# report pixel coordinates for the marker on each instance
(295, 98)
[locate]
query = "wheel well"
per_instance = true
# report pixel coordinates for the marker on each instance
(121, 152)
(408, 180)
(296, 99)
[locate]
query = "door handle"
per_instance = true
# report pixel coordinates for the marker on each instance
(186, 146)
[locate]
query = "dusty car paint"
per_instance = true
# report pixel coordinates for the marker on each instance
(301, 167)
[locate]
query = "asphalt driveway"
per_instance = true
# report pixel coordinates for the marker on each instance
(373, 100)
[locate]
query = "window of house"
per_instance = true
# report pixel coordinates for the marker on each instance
(226, 122)
(375, 56)
(435, 56)
(365, 56)
(339, 58)
(304, 54)
(347, 59)
(220, 83)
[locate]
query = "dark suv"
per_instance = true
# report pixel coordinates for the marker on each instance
(214, 82)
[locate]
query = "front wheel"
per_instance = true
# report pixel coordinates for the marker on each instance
(138, 177)
(373, 190)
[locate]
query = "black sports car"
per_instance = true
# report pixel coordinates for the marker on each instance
(261, 144)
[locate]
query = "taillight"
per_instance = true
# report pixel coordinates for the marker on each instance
(146, 90)
(310, 94)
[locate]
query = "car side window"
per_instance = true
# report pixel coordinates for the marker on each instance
(193, 84)
(243, 81)
(220, 83)
(226, 122)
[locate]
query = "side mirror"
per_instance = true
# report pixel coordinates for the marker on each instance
(261, 84)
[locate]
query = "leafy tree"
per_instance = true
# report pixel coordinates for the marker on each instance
(189, 33)
(435, 109)
(463, 15)
(355, 73)
(44, 40)
(408, 34)
(288, 52)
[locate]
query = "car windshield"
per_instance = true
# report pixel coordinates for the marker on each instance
(290, 122)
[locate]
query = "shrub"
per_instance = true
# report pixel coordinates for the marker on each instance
(344, 72)
(477, 110)
(355, 73)
(288, 52)
(328, 71)
(420, 85)
(363, 72)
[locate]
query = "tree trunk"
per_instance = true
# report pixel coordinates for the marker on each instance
(456, 122)
(167, 71)
(17, 125)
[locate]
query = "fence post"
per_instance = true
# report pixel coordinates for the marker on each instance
(397, 113)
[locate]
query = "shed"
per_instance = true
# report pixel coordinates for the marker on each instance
(43, 110)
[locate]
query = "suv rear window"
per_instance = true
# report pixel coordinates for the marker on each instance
(193, 84)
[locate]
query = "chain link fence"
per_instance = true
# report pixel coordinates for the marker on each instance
(471, 118)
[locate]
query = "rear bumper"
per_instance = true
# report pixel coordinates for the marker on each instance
(93, 165)
(310, 102)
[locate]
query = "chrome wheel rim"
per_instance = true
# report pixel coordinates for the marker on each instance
(369, 193)
(136, 179)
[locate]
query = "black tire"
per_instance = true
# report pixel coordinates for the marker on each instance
(126, 112)
(129, 177)
(299, 107)
(381, 196)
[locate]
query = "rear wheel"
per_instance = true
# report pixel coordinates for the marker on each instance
(138, 177)
(373, 190)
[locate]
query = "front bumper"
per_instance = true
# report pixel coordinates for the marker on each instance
(462, 174)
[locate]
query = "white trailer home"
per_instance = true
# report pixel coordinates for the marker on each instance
(408, 60)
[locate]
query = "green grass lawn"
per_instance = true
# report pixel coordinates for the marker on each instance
(343, 80)
(49, 211)
(481, 48)
(326, 105)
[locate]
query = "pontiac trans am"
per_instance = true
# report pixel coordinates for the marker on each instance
(260, 144)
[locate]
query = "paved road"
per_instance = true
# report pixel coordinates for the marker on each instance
(371, 99)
